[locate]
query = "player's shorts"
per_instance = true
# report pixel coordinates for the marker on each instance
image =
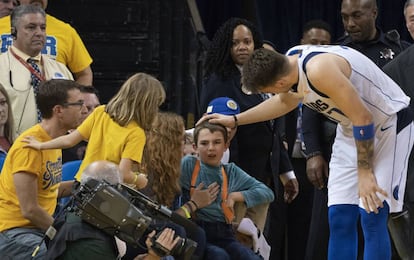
(392, 146)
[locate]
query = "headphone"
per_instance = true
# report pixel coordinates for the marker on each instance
(13, 32)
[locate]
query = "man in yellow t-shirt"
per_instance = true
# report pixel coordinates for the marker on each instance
(62, 43)
(30, 181)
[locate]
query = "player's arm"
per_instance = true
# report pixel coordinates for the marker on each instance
(330, 74)
(274, 107)
(26, 189)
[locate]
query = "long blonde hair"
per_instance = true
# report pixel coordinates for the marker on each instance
(162, 156)
(137, 100)
(9, 133)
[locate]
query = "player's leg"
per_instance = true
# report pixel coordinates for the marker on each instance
(343, 240)
(343, 212)
(377, 240)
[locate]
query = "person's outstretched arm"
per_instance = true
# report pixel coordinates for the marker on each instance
(274, 107)
(61, 142)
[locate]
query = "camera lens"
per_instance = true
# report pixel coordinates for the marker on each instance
(184, 249)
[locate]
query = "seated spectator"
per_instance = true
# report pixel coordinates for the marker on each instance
(91, 99)
(63, 44)
(31, 180)
(189, 143)
(161, 161)
(236, 186)
(24, 67)
(162, 157)
(6, 124)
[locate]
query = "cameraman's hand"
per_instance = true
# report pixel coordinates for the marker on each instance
(204, 197)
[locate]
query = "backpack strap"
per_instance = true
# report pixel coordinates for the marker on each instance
(194, 176)
(228, 213)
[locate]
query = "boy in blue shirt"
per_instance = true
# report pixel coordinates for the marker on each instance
(211, 141)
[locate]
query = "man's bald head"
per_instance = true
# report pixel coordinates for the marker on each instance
(102, 170)
(358, 18)
(369, 4)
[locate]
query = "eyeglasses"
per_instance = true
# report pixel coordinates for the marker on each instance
(79, 103)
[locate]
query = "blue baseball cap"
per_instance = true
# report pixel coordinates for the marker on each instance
(223, 105)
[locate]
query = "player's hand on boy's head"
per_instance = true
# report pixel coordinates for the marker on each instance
(317, 171)
(203, 118)
(31, 142)
(368, 191)
(227, 121)
(291, 188)
(204, 197)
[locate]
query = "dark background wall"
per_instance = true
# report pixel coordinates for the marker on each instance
(165, 39)
(281, 21)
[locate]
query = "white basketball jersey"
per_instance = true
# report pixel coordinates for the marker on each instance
(381, 94)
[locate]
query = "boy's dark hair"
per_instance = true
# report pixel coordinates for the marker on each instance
(262, 69)
(218, 57)
(53, 92)
(212, 128)
(318, 24)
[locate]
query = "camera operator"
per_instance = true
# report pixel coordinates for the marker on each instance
(77, 239)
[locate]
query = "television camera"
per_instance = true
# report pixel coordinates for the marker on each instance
(127, 213)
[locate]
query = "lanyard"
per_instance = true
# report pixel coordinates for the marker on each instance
(28, 66)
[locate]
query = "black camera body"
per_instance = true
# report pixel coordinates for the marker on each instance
(126, 213)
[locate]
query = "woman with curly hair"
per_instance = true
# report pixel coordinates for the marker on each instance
(162, 156)
(162, 162)
(227, 52)
(256, 148)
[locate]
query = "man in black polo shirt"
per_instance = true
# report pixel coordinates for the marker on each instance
(358, 18)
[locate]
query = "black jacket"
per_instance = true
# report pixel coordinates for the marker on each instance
(256, 148)
(401, 70)
(382, 49)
